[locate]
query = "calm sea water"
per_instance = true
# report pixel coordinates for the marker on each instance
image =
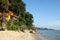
(49, 34)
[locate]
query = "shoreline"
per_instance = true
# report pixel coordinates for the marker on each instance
(14, 35)
(36, 37)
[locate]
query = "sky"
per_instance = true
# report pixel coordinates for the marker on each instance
(46, 13)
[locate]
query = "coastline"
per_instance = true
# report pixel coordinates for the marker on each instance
(14, 35)
(36, 37)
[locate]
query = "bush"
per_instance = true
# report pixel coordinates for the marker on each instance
(12, 26)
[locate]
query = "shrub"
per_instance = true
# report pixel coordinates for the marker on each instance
(12, 26)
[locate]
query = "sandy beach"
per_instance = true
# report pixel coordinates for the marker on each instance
(14, 35)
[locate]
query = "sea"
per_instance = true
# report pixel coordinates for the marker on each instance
(49, 34)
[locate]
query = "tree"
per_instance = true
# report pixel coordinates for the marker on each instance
(4, 5)
(29, 19)
(17, 6)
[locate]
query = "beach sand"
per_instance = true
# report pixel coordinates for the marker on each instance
(14, 35)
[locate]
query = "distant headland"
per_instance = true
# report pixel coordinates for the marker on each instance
(44, 29)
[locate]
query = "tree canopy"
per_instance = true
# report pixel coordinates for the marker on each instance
(18, 8)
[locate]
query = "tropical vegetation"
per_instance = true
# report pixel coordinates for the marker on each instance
(13, 15)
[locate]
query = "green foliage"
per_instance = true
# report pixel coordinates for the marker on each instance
(12, 26)
(18, 7)
(8, 25)
(22, 21)
(4, 4)
(28, 18)
(0, 23)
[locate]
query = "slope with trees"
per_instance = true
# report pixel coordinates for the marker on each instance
(21, 18)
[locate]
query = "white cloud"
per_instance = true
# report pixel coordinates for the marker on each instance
(53, 25)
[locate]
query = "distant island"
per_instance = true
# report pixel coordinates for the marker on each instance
(44, 29)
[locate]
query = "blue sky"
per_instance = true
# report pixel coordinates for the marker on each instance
(46, 13)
